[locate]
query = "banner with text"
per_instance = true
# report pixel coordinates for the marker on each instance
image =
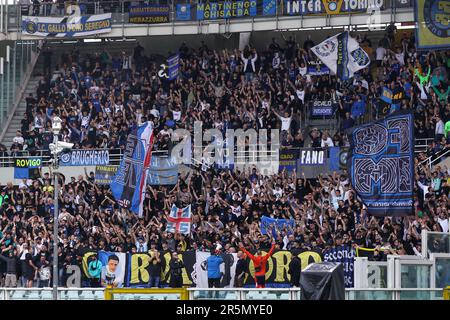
(27, 168)
(308, 7)
(322, 109)
(85, 158)
(288, 159)
(68, 26)
(104, 174)
(214, 10)
(149, 13)
(346, 255)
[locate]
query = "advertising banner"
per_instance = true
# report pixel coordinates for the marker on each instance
(68, 26)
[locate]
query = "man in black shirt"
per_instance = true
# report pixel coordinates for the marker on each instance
(241, 268)
(295, 267)
(155, 266)
(176, 271)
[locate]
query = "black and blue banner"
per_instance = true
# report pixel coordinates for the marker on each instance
(173, 66)
(288, 159)
(322, 109)
(342, 56)
(344, 254)
(214, 10)
(128, 185)
(149, 13)
(27, 168)
(381, 165)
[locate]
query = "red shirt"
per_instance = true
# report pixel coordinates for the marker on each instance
(259, 261)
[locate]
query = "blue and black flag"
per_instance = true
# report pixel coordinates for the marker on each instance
(129, 183)
(381, 165)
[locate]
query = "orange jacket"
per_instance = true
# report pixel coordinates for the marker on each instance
(259, 261)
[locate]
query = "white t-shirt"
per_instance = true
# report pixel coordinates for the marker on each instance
(236, 211)
(401, 58)
(176, 115)
(327, 143)
(444, 224)
(285, 123)
(380, 52)
(18, 140)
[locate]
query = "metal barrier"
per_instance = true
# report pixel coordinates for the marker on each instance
(215, 294)
(120, 11)
(111, 292)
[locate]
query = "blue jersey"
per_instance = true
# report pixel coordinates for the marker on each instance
(213, 263)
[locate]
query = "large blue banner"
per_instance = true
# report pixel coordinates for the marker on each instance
(381, 164)
(344, 254)
(274, 226)
(162, 171)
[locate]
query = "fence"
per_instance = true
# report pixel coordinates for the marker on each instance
(216, 294)
(180, 10)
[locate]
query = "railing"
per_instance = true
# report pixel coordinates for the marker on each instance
(120, 11)
(433, 158)
(394, 294)
(115, 156)
(217, 294)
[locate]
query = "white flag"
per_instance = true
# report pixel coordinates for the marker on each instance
(342, 55)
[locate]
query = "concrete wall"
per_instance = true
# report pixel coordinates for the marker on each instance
(7, 174)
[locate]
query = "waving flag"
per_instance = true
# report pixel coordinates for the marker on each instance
(342, 54)
(179, 220)
(381, 165)
(274, 226)
(173, 66)
(128, 185)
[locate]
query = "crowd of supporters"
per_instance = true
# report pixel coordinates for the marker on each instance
(100, 97)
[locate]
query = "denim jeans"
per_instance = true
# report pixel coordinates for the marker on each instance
(154, 282)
